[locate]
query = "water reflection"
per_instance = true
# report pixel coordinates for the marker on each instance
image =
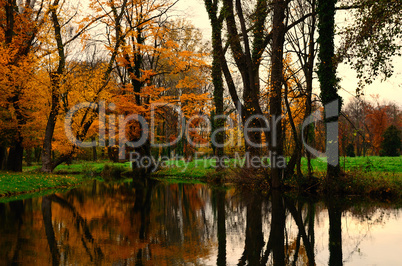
(155, 223)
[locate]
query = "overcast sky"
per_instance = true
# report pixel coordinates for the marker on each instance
(390, 90)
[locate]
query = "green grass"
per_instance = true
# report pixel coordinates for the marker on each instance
(203, 168)
(32, 182)
(180, 169)
(365, 164)
(368, 174)
(80, 167)
(17, 183)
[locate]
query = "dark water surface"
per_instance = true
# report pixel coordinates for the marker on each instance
(193, 224)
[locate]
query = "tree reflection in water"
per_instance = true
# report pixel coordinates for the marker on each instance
(174, 224)
(335, 233)
(220, 198)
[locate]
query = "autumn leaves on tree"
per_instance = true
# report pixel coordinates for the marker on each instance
(52, 62)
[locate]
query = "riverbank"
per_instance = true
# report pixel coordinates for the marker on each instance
(14, 184)
(374, 177)
(32, 182)
(203, 167)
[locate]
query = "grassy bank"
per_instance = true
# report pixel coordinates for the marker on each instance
(81, 167)
(18, 183)
(365, 164)
(371, 177)
(367, 176)
(203, 168)
(31, 181)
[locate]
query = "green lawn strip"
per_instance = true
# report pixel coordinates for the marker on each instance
(17, 183)
(84, 167)
(368, 170)
(365, 164)
(201, 168)
(197, 169)
(80, 167)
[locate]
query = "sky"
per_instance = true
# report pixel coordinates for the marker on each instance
(389, 90)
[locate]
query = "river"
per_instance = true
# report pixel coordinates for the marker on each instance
(160, 223)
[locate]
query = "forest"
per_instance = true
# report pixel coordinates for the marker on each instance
(132, 135)
(103, 80)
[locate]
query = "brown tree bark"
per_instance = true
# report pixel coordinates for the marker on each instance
(275, 101)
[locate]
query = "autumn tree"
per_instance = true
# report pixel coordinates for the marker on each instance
(145, 71)
(56, 80)
(20, 23)
(63, 34)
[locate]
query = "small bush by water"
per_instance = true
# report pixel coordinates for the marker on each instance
(113, 172)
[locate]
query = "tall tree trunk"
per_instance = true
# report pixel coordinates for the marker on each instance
(134, 71)
(47, 161)
(3, 157)
(28, 156)
(219, 122)
(217, 80)
(16, 152)
(275, 101)
(328, 84)
(15, 156)
(295, 159)
(94, 152)
(308, 71)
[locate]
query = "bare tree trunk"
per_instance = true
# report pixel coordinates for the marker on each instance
(328, 84)
(47, 162)
(217, 80)
(275, 101)
(16, 152)
(55, 78)
(15, 156)
(3, 157)
(94, 152)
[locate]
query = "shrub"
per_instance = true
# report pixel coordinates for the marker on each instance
(391, 142)
(88, 170)
(350, 150)
(112, 172)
